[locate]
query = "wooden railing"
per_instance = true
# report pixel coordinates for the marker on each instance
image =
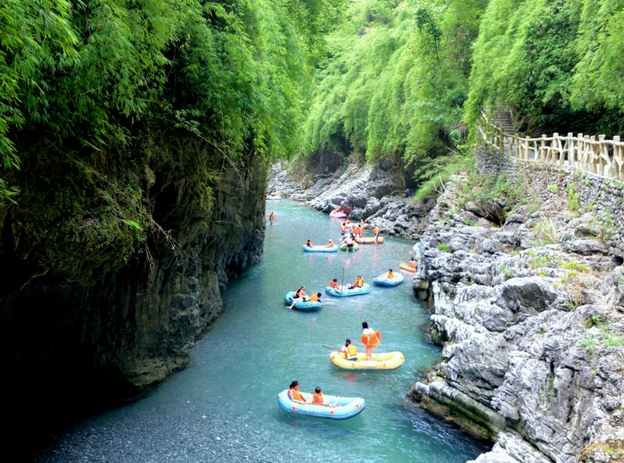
(584, 152)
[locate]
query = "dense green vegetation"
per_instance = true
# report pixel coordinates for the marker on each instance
(557, 64)
(395, 81)
(404, 81)
(106, 103)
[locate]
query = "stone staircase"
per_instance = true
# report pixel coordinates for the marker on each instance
(503, 118)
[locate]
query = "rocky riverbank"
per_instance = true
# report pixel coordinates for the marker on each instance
(373, 193)
(529, 309)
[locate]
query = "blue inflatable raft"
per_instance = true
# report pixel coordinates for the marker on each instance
(302, 305)
(383, 280)
(337, 408)
(348, 292)
(320, 248)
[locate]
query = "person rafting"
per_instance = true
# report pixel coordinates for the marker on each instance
(370, 339)
(294, 394)
(390, 274)
(412, 263)
(334, 284)
(271, 217)
(299, 296)
(358, 283)
(317, 398)
(348, 242)
(349, 351)
(315, 297)
(309, 244)
(330, 243)
(376, 231)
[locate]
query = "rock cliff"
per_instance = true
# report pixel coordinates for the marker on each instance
(529, 309)
(95, 306)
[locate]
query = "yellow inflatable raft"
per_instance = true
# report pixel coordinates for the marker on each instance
(369, 240)
(381, 361)
(407, 268)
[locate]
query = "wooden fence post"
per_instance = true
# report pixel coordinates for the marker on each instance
(603, 156)
(571, 161)
(617, 158)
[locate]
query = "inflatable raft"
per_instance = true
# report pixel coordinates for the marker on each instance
(355, 247)
(341, 408)
(302, 305)
(338, 214)
(273, 196)
(407, 268)
(381, 361)
(320, 248)
(383, 280)
(348, 292)
(369, 240)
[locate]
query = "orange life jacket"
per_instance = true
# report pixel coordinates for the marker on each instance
(333, 284)
(317, 398)
(371, 339)
(314, 297)
(359, 282)
(296, 395)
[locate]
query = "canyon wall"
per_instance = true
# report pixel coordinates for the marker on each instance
(97, 304)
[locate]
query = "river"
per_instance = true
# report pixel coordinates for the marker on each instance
(223, 406)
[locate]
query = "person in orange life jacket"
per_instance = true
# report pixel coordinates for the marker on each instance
(299, 296)
(334, 284)
(301, 293)
(309, 244)
(349, 351)
(370, 339)
(390, 274)
(294, 394)
(330, 244)
(316, 297)
(359, 282)
(317, 398)
(271, 218)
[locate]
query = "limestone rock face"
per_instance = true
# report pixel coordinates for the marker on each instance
(76, 332)
(532, 330)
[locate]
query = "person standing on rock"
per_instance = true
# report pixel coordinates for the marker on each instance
(271, 217)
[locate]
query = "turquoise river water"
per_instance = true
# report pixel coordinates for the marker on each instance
(258, 346)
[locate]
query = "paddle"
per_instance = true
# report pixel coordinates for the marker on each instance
(330, 347)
